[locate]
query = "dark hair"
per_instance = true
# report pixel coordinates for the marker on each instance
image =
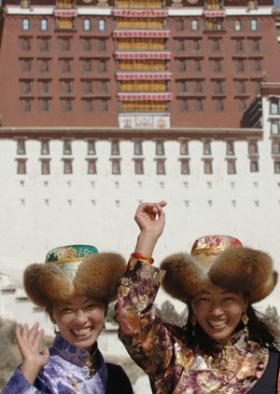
(259, 330)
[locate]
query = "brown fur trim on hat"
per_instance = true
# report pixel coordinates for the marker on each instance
(99, 276)
(183, 276)
(46, 284)
(246, 270)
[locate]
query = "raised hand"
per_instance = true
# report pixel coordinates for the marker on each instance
(29, 341)
(150, 218)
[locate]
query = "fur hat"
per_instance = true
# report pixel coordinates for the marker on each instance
(74, 269)
(222, 260)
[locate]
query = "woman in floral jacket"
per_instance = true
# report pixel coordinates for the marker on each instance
(75, 286)
(225, 347)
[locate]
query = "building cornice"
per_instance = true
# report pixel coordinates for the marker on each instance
(195, 12)
(128, 134)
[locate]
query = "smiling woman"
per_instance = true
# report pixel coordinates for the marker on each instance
(75, 286)
(225, 347)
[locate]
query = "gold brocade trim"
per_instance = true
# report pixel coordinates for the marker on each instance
(60, 262)
(208, 251)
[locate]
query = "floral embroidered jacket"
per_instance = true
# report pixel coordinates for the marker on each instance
(68, 371)
(163, 353)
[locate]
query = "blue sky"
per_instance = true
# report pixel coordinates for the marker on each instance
(277, 2)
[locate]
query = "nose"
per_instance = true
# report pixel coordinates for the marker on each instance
(80, 316)
(216, 309)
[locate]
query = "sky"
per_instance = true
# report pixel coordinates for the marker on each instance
(277, 2)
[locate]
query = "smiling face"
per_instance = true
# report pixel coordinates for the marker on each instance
(218, 311)
(80, 321)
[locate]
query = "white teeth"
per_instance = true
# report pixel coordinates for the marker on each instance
(217, 324)
(82, 333)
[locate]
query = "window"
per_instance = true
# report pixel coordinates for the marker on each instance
(208, 168)
(67, 104)
(25, 24)
(115, 148)
(67, 166)
(254, 166)
(274, 107)
(160, 148)
(255, 44)
(184, 148)
(275, 128)
(257, 64)
(25, 44)
(66, 23)
(91, 166)
(86, 44)
(101, 44)
(66, 86)
(217, 65)
(231, 167)
(44, 86)
(87, 24)
(89, 105)
(230, 148)
(276, 167)
(275, 147)
(44, 66)
(240, 86)
(138, 148)
(102, 66)
(67, 147)
(179, 24)
(239, 44)
(65, 43)
(44, 25)
(26, 104)
(196, 45)
(242, 104)
(45, 104)
(240, 65)
(215, 44)
(25, 86)
(207, 148)
(26, 65)
(45, 147)
(160, 166)
(45, 167)
(139, 167)
(65, 65)
(237, 25)
(254, 26)
(253, 148)
(197, 86)
(103, 105)
(21, 166)
(220, 105)
(185, 166)
(183, 86)
(218, 86)
(116, 166)
(101, 25)
(91, 149)
(196, 65)
(199, 105)
(21, 147)
(195, 25)
(44, 44)
(184, 105)
(87, 65)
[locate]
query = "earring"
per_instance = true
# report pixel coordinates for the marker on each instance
(55, 329)
(193, 322)
(245, 321)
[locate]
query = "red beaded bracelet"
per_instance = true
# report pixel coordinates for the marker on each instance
(139, 256)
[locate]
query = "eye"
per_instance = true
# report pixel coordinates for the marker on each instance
(66, 310)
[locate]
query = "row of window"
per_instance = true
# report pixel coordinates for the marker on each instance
(89, 86)
(180, 24)
(196, 86)
(237, 24)
(160, 166)
(219, 104)
(64, 43)
(87, 25)
(239, 44)
(43, 65)
(138, 147)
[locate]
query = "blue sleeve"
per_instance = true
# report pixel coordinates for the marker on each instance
(19, 385)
